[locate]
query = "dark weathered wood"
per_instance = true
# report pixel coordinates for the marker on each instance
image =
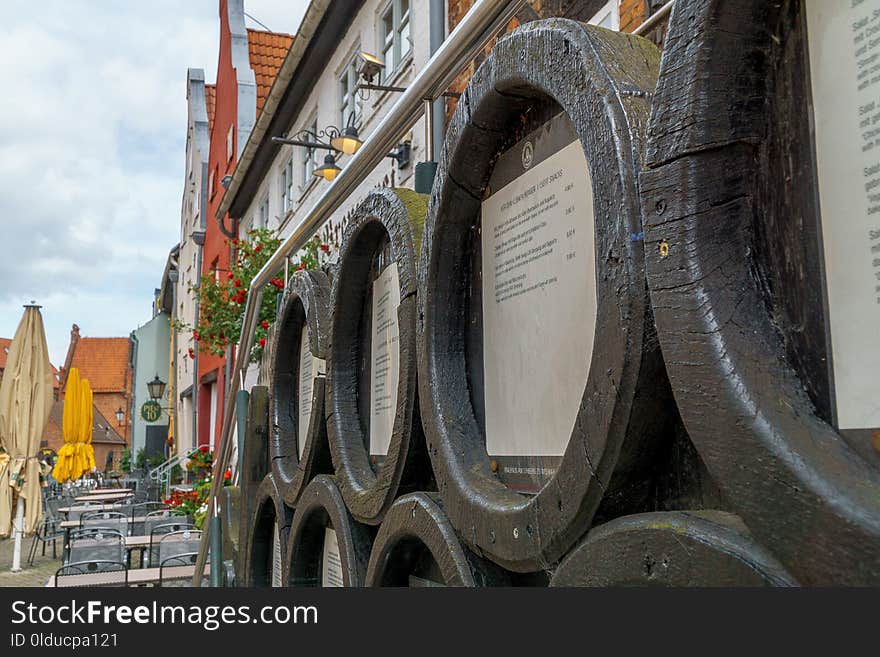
(254, 467)
(230, 517)
(733, 262)
(417, 546)
(306, 303)
(390, 222)
(680, 548)
(602, 81)
(269, 511)
(321, 506)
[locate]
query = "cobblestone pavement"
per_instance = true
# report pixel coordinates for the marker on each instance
(36, 575)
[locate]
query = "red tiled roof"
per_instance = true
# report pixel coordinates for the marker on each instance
(102, 430)
(4, 347)
(267, 51)
(103, 361)
(211, 104)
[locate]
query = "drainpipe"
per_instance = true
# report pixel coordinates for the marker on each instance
(198, 236)
(435, 111)
(437, 25)
(134, 387)
(174, 276)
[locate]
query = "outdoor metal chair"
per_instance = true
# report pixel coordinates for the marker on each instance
(182, 559)
(146, 510)
(95, 544)
(49, 531)
(113, 573)
(155, 518)
(160, 532)
(77, 509)
(107, 519)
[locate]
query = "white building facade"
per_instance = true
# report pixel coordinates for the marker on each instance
(192, 231)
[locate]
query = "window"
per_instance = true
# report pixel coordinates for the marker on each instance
(395, 33)
(211, 181)
(350, 100)
(608, 16)
(229, 140)
(286, 187)
(262, 218)
(309, 159)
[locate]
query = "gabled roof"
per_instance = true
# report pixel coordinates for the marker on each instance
(5, 343)
(103, 361)
(211, 104)
(4, 349)
(267, 51)
(102, 430)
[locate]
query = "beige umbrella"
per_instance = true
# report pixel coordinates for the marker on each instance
(25, 401)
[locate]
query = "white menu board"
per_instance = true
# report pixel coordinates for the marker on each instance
(309, 369)
(385, 359)
(331, 565)
(539, 297)
(844, 44)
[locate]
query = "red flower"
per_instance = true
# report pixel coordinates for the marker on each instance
(278, 283)
(227, 475)
(300, 266)
(235, 241)
(230, 276)
(264, 324)
(262, 342)
(325, 248)
(196, 336)
(236, 283)
(258, 248)
(192, 354)
(204, 449)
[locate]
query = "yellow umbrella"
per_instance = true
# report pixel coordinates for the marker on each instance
(65, 466)
(25, 402)
(86, 453)
(76, 456)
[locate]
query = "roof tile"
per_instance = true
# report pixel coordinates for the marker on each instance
(267, 51)
(104, 362)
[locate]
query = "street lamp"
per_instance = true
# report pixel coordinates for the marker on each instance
(156, 387)
(120, 416)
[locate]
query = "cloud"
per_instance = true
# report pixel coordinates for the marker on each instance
(92, 147)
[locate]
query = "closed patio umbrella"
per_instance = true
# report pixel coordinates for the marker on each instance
(76, 456)
(25, 401)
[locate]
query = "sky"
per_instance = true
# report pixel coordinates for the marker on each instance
(92, 149)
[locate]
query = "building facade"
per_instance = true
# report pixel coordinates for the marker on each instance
(106, 363)
(200, 98)
(149, 360)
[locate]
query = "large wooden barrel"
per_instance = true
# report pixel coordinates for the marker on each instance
(267, 537)
(254, 466)
(297, 354)
(416, 546)
(326, 547)
(373, 422)
(541, 387)
(762, 244)
(678, 548)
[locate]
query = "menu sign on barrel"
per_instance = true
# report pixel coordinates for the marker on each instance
(538, 301)
(844, 44)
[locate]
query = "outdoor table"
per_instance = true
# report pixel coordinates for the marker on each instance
(101, 491)
(64, 510)
(102, 497)
(74, 524)
(139, 576)
(139, 544)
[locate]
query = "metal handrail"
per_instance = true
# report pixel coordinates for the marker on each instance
(654, 20)
(481, 23)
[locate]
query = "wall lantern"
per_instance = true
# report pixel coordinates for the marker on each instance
(328, 171)
(120, 416)
(156, 388)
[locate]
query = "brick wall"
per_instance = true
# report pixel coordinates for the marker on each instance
(632, 14)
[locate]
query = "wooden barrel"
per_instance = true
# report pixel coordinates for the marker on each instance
(762, 248)
(542, 389)
(254, 466)
(678, 548)
(373, 424)
(416, 546)
(267, 538)
(326, 547)
(297, 365)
